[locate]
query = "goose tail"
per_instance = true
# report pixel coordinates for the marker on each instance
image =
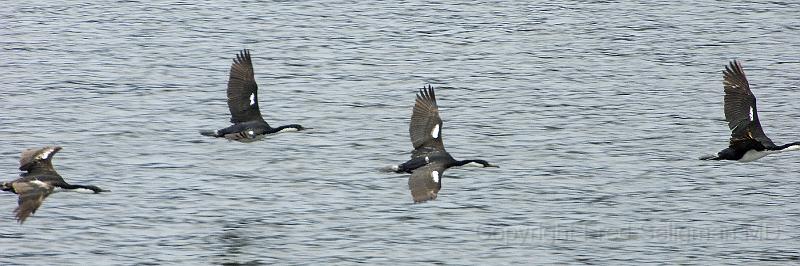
(210, 133)
(709, 157)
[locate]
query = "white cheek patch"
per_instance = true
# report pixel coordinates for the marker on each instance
(252, 99)
(288, 129)
(435, 131)
(751, 113)
(250, 132)
(435, 176)
(427, 159)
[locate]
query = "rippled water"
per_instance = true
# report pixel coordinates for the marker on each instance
(596, 113)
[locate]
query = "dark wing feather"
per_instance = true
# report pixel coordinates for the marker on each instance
(425, 182)
(38, 160)
(426, 125)
(740, 107)
(242, 90)
(31, 196)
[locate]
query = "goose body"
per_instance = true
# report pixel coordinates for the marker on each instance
(429, 159)
(38, 181)
(748, 141)
(248, 124)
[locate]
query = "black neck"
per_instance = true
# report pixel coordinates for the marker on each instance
(784, 146)
(295, 126)
(92, 188)
(460, 163)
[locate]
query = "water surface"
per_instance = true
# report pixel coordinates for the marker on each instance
(596, 113)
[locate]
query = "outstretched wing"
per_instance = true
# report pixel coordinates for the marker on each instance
(425, 182)
(425, 128)
(242, 90)
(31, 196)
(740, 107)
(38, 160)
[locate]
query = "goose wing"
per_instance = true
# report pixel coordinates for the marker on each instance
(31, 195)
(740, 107)
(426, 125)
(38, 160)
(425, 182)
(242, 90)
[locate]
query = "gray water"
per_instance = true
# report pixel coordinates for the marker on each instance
(595, 112)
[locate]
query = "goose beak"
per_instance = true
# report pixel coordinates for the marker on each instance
(492, 166)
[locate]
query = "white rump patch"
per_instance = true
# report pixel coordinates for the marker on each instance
(435, 131)
(427, 159)
(252, 99)
(435, 176)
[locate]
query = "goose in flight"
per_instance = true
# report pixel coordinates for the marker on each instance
(38, 181)
(248, 125)
(429, 159)
(748, 141)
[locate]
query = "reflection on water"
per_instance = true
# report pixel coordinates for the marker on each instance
(233, 245)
